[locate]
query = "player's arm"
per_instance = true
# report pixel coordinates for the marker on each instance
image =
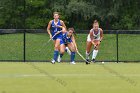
(48, 29)
(74, 42)
(92, 37)
(63, 24)
(63, 29)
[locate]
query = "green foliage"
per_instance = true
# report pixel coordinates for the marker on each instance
(11, 14)
(112, 14)
(126, 21)
(35, 3)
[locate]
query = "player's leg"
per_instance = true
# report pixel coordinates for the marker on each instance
(88, 49)
(68, 50)
(58, 58)
(72, 48)
(95, 51)
(62, 50)
(56, 50)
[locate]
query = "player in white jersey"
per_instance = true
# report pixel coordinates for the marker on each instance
(95, 37)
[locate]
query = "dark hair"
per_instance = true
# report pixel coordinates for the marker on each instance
(95, 21)
(72, 30)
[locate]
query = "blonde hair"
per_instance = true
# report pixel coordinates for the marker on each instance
(55, 13)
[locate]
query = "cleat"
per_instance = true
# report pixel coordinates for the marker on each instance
(93, 60)
(72, 62)
(53, 61)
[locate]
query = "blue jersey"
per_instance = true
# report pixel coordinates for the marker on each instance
(65, 39)
(55, 29)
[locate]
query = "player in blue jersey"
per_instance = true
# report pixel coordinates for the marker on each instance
(55, 26)
(94, 38)
(68, 40)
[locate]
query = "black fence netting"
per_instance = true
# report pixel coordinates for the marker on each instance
(31, 45)
(11, 45)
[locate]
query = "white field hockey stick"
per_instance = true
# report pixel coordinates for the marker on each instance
(93, 49)
(54, 36)
(81, 56)
(50, 39)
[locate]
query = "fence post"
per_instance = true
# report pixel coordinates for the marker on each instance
(117, 45)
(24, 43)
(24, 46)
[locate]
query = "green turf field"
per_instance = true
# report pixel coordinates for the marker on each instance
(11, 47)
(66, 78)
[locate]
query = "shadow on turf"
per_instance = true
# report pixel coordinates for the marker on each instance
(3, 92)
(58, 80)
(110, 70)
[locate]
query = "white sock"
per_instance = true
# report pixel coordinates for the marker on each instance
(87, 55)
(95, 52)
(68, 51)
(59, 59)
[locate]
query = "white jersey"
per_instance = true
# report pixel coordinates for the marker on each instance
(96, 36)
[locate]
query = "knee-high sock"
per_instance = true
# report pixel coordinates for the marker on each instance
(95, 52)
(87, 55)
(55, 56)
(61, 55)
(59, 58)
(72, 56)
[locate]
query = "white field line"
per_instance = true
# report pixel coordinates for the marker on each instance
(65, 75)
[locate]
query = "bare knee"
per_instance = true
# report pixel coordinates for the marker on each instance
(73, 49)
(57, 44)
(56, 47)
(62, 51)
(88, 47)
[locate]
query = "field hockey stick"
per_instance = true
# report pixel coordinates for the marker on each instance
(50, 39)
(93, 49)
(81, 56)
(54, 35)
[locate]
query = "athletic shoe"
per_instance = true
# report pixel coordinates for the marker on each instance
(53, 61)
(59, 59)
(93, 60)
(72, 62)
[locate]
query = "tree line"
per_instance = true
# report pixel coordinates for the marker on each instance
(80, 14)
